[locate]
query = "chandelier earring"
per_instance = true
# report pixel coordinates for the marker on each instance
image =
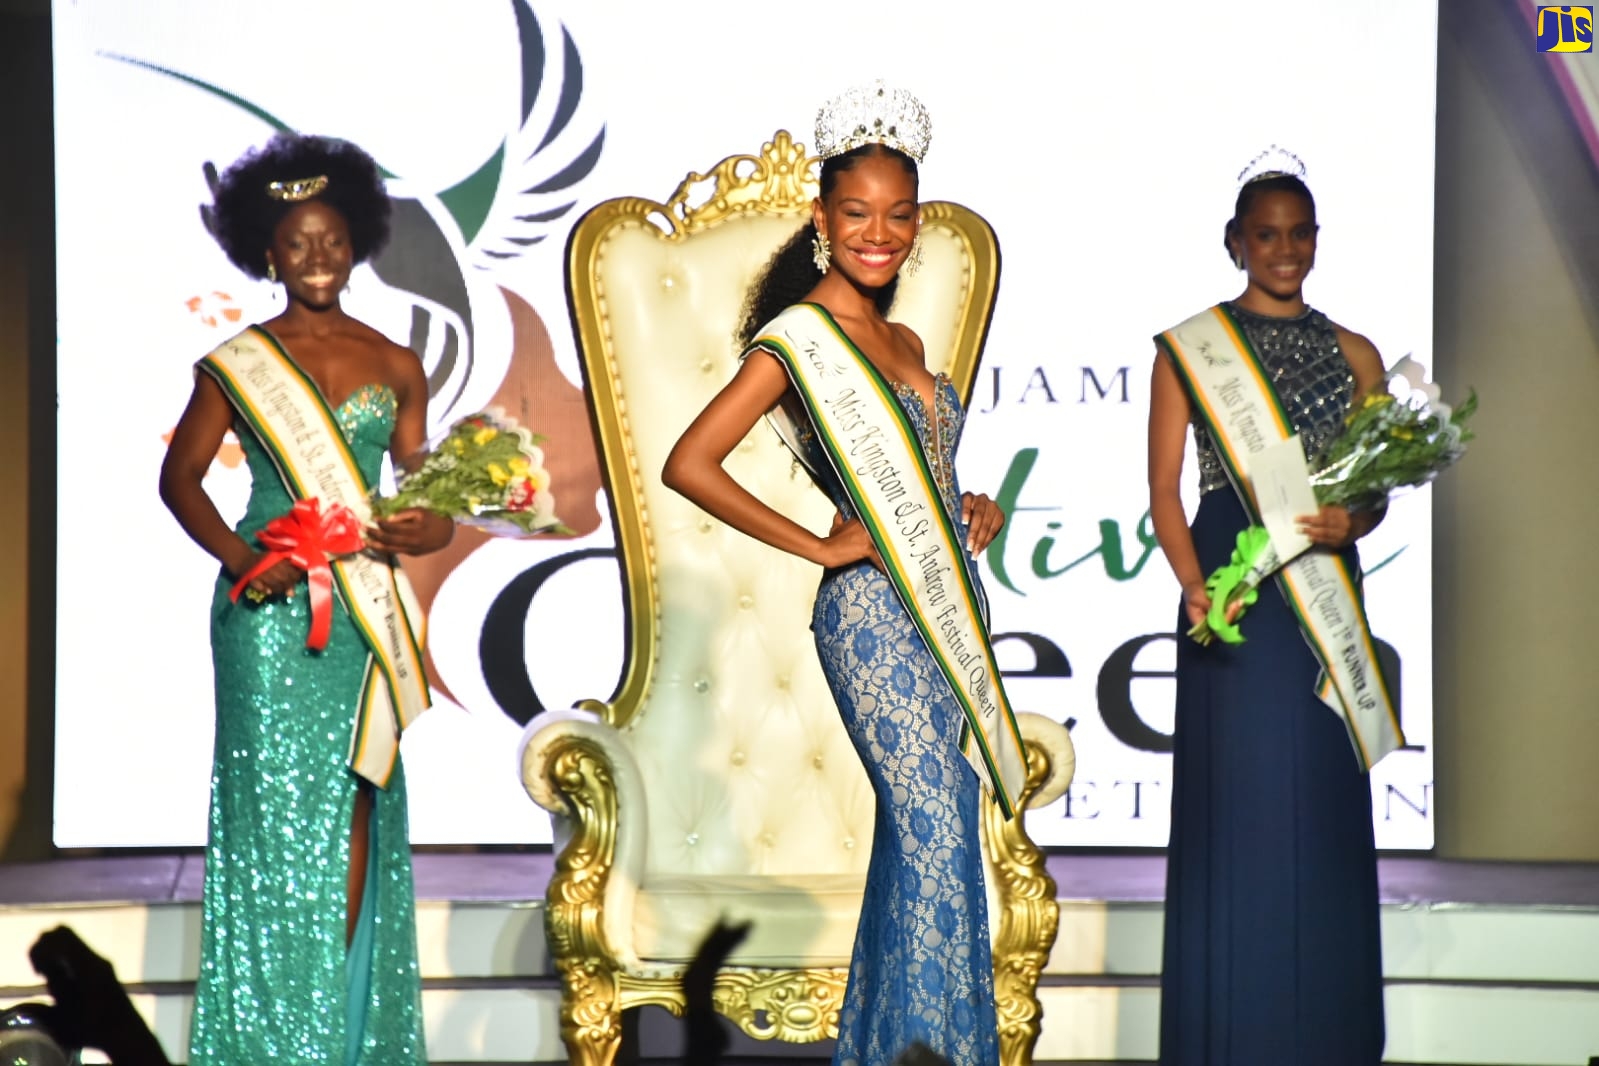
(1238, 260)
(913, 262)
(272, 272)
(821, 251)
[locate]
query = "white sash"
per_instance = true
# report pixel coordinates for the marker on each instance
(1244, 414)
(292, 421)
(877, 458)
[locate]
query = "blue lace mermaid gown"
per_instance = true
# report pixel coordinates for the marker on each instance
(922, 967)
(1272, 950)
(276, 982)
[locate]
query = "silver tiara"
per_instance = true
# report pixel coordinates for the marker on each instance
(873, 114)
(1274, 162)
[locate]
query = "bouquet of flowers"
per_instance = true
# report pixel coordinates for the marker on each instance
(487, 472)
(1400, 436)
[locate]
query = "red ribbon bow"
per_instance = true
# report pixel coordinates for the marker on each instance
(306, 537)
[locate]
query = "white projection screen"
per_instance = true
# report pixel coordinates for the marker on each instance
(1102, 141)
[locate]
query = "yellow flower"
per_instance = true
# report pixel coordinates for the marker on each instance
(522, 470)
(458, 446)
(473, 503)
(498, 475)
(484, 435)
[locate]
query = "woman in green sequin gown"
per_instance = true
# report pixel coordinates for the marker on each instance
(308, 951)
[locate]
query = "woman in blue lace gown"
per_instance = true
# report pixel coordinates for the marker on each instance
(1272, 952)
(308, 949)
(922, 967)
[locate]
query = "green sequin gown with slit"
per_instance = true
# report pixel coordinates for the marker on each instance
(277, 983)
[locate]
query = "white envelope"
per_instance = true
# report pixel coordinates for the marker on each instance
(1281, 480)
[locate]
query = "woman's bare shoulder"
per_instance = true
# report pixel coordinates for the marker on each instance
(912, 341)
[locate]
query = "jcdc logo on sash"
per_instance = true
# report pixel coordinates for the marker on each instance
(1565, 29)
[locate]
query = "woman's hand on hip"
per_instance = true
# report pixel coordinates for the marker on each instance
(848, 542)
(983, 520)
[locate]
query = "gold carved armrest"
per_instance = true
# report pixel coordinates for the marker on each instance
(576, 767)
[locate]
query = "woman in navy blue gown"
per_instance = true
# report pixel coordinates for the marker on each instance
(1272, 954)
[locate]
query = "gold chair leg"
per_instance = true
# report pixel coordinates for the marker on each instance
(1020, 1013)
(591, 1011)
(591, 1018)
(1029, 920)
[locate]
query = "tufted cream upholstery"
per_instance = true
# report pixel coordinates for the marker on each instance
(719, 780)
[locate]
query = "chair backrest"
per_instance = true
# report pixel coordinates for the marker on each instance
(746, 765)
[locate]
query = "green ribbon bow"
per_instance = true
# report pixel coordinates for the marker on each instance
(1223, 586)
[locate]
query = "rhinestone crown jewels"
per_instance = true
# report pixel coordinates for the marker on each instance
(1274, 162)
(297, 189)
(873, 114)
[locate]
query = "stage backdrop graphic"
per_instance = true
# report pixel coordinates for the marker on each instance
(1101, 140)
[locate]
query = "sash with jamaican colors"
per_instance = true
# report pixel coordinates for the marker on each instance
(292, 421)
(1229, 386)
(876, 456)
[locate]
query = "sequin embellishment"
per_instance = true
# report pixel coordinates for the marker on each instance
(1306, 366)
(273, 984)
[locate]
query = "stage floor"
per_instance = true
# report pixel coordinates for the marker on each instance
(1487, 963)
(508, 875)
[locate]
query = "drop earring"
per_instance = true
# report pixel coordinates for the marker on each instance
(821, 251)
(913, 262)
(272, 272)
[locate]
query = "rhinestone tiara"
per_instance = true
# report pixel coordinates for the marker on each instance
(295, 190)
(873, 114)
(1274, 162)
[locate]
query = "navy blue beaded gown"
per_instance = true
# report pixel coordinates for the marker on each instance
(276, 982)
(1272, 954)
(922, 968)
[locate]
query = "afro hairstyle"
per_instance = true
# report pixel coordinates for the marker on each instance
(243, 216)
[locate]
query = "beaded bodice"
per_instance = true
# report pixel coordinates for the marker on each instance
(366, 418)
(1306, 366)
(938, 431)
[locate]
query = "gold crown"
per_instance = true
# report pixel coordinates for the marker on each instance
(873, 114)
(297, 189)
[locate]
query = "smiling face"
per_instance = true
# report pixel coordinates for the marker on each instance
(1276, 237)
(870, 218)
(312, 253)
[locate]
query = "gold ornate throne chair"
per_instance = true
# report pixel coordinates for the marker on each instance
(718, 780)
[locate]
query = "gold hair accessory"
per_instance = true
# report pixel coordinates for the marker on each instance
(873, 114)
(297, 189)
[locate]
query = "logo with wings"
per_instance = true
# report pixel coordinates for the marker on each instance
(481, 343)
